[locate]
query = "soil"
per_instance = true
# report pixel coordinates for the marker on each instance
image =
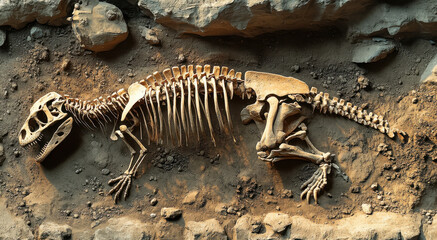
(72, 179)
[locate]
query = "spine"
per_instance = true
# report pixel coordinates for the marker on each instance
(326, 105)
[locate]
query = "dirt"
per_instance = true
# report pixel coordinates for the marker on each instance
(70, 186)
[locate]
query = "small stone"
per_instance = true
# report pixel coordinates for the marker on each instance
(415, 100)
(374, 186)
(363, 82)
(78, 171)
(105, 171)
(76, 215)
(356, 189)
(286, 193)
(181, 58)
(150, 35)
(65, 64)
(153, 215)
(36, 32)
(171, 213)
(278, 208)
(190, 198)
(202, 153)
(270, 192)
(367, 208)
(382, 203)
(295, 68)
(379, 197)
(154, 201)
(16, 153)
(89, 203)
(14, 86)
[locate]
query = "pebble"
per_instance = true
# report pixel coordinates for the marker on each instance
(356, 190)
(14, 86)
(202, 153)
(154, 201)
(181, 58)
(17, 153)
(367, 208)
(379, 197)
(36, 32)
(76, 215)
(295, 68)
(153, 215)
(105, 171)
(415, 100)
(374, 186)
(78, 171)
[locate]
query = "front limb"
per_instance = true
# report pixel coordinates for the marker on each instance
(125, 180)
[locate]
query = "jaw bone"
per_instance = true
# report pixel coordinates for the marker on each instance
(60, 134)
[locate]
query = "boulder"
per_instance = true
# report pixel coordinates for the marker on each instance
(99, 26)
(124, 228)
(12, 227)
(400, 20)
(249, 18)
(372, 51)
(171, 213)
(17, 13)
(279, 222)
(206, 230)
(54, 231)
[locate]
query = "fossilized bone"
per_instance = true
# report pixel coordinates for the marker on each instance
(175, 105)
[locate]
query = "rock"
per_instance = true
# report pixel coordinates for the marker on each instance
(279, 222)
(430, 230)
(182, 59)
(12, 227)
(250, 227)
(221, 209)
(150, 35)
(377, 226)
(374, 186)
(169, 230)
(18, 13)
(206, 230)
(66, 64)
(371, 51)
(153, 201)
(367, 208)
(429, 75)
(190, 198)
(171, 213)
(36, 32)
(287, 193)
(105, 171)
(254, 17)
(363, 82)
(54, 231)
(125, 228)
(99, 26)
(2, 154)
(2, 38)
(409, 18)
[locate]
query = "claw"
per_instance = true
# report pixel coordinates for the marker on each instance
(123, 184)
(316, 183)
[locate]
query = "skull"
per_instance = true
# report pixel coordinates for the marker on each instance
(46, 117)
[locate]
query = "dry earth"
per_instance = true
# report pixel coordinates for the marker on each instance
(70, 186)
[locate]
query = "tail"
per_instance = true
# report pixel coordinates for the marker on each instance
(322, 102)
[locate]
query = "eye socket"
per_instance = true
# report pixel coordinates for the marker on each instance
(41, 115)
(33, 125)
(60, 134)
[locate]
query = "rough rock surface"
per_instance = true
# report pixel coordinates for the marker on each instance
(248, 18)
(279, 222)
(12, 227)
(255, 17)
(207, 230)
(99, 26)
(54, 231)
(123, 229)
(17, 13)
(372, 51)
(171, 213)
(430, 72)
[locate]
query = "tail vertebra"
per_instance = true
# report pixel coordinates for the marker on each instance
(322, 102)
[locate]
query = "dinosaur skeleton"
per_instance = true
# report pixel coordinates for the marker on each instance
(173, 106)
